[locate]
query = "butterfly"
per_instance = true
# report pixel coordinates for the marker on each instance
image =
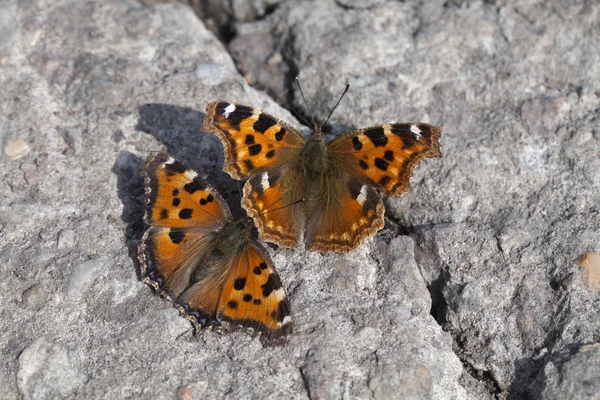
(196, 255)
(339, 180)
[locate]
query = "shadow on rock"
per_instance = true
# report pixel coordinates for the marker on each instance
(178, 128)
(130, 190)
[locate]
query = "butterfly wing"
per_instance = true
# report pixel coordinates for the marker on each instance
(183, 212)
(347, 213)
(268, 199)
(254, 141)
(384, 156)
(253, 296)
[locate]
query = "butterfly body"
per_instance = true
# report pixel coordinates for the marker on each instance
(339, 181)
(195, 254)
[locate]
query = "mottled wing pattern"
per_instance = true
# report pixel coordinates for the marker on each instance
(254, 141)
(350, 212)
(267, 199)
(253, 296)
(182, 210)
(176, 196)
(384, 156)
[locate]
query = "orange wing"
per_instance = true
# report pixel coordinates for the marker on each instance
(350, 212)
(176, 196)
(182, 210)
(384, 156)
(268, 199)
(253, 296)
(254, 141)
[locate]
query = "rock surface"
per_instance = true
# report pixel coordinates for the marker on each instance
(471, 290)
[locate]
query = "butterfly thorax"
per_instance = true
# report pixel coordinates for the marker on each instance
(232, 238)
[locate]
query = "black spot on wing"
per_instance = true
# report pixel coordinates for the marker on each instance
(175, 168)
(257, 270)
(270, 154)
(403, 130)
(195, 185)
(263, 265)
(249, 165)
(249, 139)
(247, 297)
(232, 304)
(381, 164)
(164, 213)
(263, 123)
(185, 213)
(273, 283)
(425, 131)
(389, 155)
(256, 301)
(254, 149)
(239, 283)
(281, 312)
(356, 143)
(363, 164)
(175, 192)
(279, 135)
(176, 202)
(238, 115)
(377, 136)
(176, 236)
(220, 109)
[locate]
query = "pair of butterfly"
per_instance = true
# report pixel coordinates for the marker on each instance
(207, 263)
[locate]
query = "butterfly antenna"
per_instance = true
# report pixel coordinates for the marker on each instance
(279, 208)
(338, 102)
(305, 103)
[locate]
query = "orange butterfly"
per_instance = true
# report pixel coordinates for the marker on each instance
(196, 255)
(339, 180)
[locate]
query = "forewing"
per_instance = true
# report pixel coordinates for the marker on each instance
(384, 156)
(253, 296)
(254, 141)
(177, 197)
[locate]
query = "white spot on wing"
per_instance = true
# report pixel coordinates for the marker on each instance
(170, 160)
(362, 196)
(286, 320)
(415, 129)
(264, 181)
(228, 110)
(189, 174)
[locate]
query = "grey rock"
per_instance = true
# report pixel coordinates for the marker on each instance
(475, 268)
(574, 374)
(83, 276)
(47, 371)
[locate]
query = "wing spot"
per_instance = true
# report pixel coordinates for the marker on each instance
(263, 123)
(381, 164)
(257, 270)
(273, 283)
(363, 164)
(247, 297)
(175, 192)
(249, 139)
(279, 135)
(176, 202)
(389, 155)
(377, 136)
(186, 213)
(256, 301)
(270, 154)
(263, 265)
(254, 149)
(164, 213)
(249, 165)
(176, 236)
(356, 143)
(239, 283)
(195, 185)
(232, 304)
